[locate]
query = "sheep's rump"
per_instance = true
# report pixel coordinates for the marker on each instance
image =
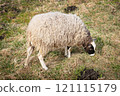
(55, 30)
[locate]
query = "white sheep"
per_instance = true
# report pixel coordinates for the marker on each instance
(50, 31)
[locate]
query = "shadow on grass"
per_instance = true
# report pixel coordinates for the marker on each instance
(59, 55)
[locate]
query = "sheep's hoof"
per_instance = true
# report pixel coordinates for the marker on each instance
(68, 56)
(46, 68)
(25, 65)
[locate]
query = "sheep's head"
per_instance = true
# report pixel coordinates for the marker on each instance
(90, 48)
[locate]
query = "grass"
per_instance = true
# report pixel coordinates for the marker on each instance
(100, 16)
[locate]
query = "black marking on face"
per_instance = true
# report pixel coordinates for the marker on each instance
(89, 49)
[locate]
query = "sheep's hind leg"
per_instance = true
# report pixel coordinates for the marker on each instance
(29, 52)
(42, 61)
(68, 51)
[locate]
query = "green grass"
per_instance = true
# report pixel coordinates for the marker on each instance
(77, 72)
(99, 44)
(101, 18)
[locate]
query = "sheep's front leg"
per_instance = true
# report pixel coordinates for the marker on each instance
(68, 51)
(29, 52)
(42, 61)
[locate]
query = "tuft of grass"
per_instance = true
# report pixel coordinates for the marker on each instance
(116, 68)
(99, 43)
(77, 72)
(18, 44)
(26, 74)
(6, 67)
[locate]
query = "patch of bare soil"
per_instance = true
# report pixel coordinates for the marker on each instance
(2, 36)
(88, 74)
(70, 8)
(6, 7)
(2, 27)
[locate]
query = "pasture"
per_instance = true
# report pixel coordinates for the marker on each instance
(101, 17)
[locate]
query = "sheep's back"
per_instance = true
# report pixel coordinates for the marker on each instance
(55, 29)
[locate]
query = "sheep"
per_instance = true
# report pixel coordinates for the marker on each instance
(53, 30)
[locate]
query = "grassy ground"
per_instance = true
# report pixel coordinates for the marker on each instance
(102, 18)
